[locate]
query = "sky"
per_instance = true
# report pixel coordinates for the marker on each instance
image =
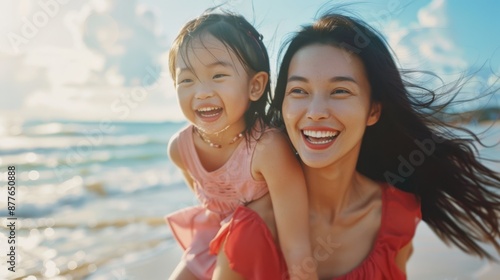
(107, 59)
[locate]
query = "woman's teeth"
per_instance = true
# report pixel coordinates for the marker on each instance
(320, 137)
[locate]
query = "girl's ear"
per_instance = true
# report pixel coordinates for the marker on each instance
(375, 111)
(258, 85)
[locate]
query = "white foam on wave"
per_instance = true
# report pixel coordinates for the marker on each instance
(84, 144)
(45, 198)
(99, 236)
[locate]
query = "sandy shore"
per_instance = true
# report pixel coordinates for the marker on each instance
(157, 267)
(431, 260)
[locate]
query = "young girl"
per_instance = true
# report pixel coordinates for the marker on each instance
(376, 161)
(228, 155)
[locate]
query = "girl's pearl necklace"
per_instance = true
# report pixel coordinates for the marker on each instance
(213, 145)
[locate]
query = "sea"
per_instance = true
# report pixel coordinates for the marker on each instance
(86, 194)
(91, 196)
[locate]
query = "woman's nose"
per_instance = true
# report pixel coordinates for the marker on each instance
(318, 109)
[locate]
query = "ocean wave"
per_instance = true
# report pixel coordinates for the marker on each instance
(17, 145)
(39, 161)
(36, 210)
(48, 198)
(68, 128)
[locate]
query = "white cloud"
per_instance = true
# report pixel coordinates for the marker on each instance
(433, 15)
(493, 79)
(18, 79)
(436, 47)
(65, 66)
(127, 36)
(26, 7)
(395, 34)
(426, 44)
(98, 103)
(116, 50)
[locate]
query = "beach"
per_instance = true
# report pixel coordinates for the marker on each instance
(431, 260)
(90, 204)
(90, 99)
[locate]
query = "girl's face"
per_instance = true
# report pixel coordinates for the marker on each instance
(212, 86)
(327, 105)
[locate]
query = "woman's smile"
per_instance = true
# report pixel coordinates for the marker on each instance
(319, 139)
(327, 105)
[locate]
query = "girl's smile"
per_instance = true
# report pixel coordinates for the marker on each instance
(212, 86)
(209, 113)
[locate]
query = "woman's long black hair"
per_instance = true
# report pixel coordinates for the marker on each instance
(410, 147)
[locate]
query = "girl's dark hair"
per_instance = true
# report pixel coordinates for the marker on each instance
(409, 147)
(239, 36)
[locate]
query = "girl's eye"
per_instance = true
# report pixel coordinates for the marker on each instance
(184, 81)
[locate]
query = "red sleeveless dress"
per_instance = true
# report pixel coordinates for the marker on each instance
(252, 252)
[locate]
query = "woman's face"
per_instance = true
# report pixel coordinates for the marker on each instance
(327, 105)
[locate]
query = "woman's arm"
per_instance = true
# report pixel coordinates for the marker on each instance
(275, 162)
(403, 256)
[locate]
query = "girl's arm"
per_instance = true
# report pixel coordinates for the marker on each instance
(275, 162)
(175, 157)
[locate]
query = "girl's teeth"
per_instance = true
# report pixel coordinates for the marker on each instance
(207, 109)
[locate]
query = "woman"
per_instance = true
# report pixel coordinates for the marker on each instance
(375, 161)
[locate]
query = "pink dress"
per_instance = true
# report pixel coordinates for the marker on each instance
(220, 192)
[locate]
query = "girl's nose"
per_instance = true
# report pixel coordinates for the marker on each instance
(203, 91)
(318, 109)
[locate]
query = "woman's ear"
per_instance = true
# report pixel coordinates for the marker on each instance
(375, 111)
(258, 85)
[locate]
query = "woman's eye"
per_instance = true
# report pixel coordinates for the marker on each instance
(218, 76)
(297, 91)
(341, 91)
